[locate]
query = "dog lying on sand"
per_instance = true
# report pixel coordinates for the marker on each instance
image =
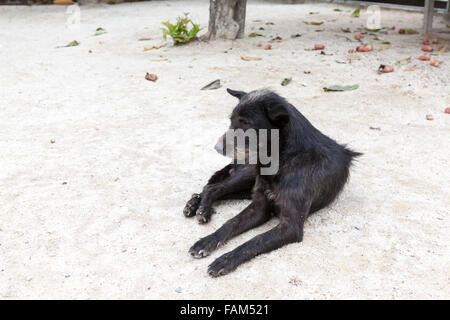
(311, 171)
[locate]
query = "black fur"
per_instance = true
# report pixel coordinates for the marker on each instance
(313, 170)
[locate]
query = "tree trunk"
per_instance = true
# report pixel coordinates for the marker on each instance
(226, 19)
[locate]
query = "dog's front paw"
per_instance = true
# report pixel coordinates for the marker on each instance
(204, 246)
(204, 214)
(192, 205)
(223, 265)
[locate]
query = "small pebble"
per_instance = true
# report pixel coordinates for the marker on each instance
(319, 46)
(178, 290)
(358, 36)
(434, 63)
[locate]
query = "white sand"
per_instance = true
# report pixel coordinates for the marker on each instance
(133, 151)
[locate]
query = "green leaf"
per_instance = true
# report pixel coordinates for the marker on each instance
(74, 43)
(286, 81)
(254, 34)
(297, 35)
(99, 31)
(337, 10)
(179, 32)
(385, 42)
(341, 88)
(410, 31)
(355, 14)
(374, 30)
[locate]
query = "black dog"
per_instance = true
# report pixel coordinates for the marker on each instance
(312, 171)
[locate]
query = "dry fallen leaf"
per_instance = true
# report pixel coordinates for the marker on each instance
(246, 58)
(385, 47)
(353, 57)
(63, 2)
(160, 60)
(403, 61)
(212, 85)
(151, 77)
(152, 47)
(410, 69)
(314, 23)
(279, 39)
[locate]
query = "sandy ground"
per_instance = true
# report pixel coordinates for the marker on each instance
(98, 213)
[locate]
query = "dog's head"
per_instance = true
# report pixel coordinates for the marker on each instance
(255, 122)
(259, 109)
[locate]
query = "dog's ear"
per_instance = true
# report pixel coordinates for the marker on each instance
(237, 94)
(277, 114)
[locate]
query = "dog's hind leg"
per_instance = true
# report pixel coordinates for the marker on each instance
(289, 230)
(231, 182)
(254, 215)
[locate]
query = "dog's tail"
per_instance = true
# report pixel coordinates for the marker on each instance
(353, 154)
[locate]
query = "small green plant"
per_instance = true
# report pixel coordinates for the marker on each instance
(179, 31)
